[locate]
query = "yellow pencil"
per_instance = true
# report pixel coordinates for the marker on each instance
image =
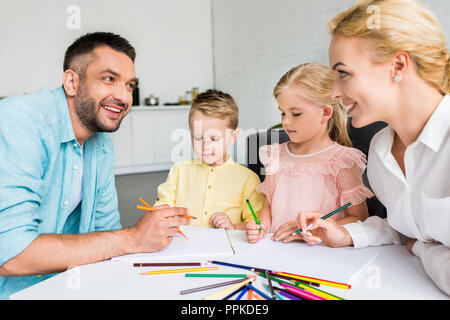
(324, 282)
(180, 270)
(228, 290)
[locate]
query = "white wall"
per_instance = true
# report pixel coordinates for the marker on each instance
(172, 38)
(257, 41)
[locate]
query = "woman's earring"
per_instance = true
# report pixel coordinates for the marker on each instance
(398, 79)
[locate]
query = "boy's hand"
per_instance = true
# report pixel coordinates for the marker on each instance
(220, 220)
(252, 231)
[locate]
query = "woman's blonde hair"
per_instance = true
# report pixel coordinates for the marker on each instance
(400, 25)
(314, 82)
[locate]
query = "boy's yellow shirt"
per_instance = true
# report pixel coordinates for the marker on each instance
(205, 190)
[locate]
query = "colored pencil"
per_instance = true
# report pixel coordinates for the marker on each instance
(254, 214)
(317, 292)
(250, 294)
(279, 297)
(231, 245)
(233, 293)
(228, 290)
(153, 209)
(211, 286)
(259, 292)
(238, 266)
(144, 203)
(290, 279)
(302, 293)
(321, 281)
(244, 291)
(270, 285)
(169, 264)
(145, 208)
(215, 275)
(327, 216)
(288, 295)
(180, 270)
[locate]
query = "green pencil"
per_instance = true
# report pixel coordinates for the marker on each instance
(210, 275)
(328, 215)
(254, 215)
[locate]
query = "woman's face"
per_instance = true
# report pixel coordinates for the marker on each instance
(365, 87)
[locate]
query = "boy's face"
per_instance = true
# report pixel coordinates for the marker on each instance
(211, 138)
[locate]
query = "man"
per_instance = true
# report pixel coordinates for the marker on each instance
(58, 203)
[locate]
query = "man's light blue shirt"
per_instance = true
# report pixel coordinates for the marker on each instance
(39, 160)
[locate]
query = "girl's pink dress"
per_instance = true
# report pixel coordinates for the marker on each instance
(321, 181)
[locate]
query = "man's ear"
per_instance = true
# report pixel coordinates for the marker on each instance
(71, 82)
(327, 113)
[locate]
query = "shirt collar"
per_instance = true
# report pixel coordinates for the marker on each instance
(437, 127)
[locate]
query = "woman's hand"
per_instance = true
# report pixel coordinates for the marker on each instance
(285, 232)
(316, 230)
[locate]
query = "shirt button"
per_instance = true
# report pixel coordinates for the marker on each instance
(209, 187)
(66, 203)
(75, 168)
(206, 213)
(75, 145)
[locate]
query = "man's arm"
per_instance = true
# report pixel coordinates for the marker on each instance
(50, 253)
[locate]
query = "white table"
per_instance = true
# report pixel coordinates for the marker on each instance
(394, 274)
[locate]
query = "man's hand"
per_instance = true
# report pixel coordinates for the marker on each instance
(155, 230)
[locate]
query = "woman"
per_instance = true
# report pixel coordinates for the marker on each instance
(395, 68)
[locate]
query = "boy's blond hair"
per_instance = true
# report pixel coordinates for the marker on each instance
(215, 103)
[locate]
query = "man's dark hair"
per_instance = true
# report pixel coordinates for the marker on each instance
(90, 41)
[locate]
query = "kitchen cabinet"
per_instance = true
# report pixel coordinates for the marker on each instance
(151, 139)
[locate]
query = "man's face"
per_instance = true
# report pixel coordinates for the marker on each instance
(104, 96)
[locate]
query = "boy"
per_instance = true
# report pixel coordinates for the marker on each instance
(213, 187)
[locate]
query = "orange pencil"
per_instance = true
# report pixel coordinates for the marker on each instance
(150, 208)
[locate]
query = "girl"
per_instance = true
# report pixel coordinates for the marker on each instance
(317, 169)
(406, 59)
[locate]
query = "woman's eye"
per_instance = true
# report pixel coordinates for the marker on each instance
(342, 74)
(283, 114)
(198, 138)
(296, 114)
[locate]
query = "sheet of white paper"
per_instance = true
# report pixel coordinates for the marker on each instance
(203, 242)
(319, 261)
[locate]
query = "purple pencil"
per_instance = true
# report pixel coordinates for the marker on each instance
(287, 295)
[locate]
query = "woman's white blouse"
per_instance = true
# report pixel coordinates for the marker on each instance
(418, 205)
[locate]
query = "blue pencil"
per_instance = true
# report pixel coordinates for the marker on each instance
(242, 293)
(262, 294)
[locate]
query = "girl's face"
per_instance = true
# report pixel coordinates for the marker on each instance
(211, 138)
(301, 119)
(366, 88)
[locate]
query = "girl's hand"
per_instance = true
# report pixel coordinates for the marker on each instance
(253, 233)
(285, 232)
(316, 230)
(220, 220)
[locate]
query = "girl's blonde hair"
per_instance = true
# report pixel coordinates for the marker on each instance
(400, 25)
(314, 81)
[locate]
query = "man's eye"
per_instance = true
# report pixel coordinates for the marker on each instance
(132, 86)
(108, 79)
